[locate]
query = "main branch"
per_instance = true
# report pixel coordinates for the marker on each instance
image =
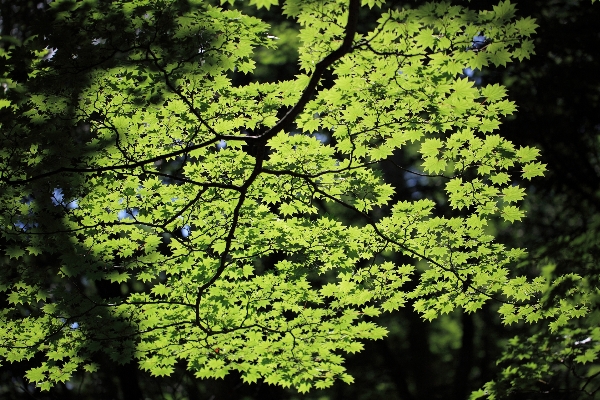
(322, 66)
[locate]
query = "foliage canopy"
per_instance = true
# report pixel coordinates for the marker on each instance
(129, 155)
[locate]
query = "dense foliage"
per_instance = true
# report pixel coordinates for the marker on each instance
(559, 97)
(157, 208)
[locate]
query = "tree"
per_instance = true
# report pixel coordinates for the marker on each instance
(154, 211)
(557, 92)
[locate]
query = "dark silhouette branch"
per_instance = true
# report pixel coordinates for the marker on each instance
(110, 167)
(286, 121)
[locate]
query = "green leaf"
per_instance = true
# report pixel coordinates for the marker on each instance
(264, 3)
(14, 252)
(118, 276)
(489, 125)
(430, 147)
(36, 374)
(590, 355)
(513, 193)
(500, 57)
(494, 92)
(92, 367)
(512, 213)
(532, 170)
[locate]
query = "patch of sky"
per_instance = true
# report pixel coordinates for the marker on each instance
(473, 75)
(321, 137)
(584, 341)
(42, 4)
(50, 54)
(25, 225)
(413, 182)
(57, 196)
(479, 42)
(58, 199)
(128, 213)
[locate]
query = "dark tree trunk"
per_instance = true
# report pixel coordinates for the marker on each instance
(128, 373)
(395, 370)
(465, 358)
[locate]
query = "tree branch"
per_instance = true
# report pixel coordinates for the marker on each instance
(320, 68)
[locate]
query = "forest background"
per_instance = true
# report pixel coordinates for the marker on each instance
(557, 92)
